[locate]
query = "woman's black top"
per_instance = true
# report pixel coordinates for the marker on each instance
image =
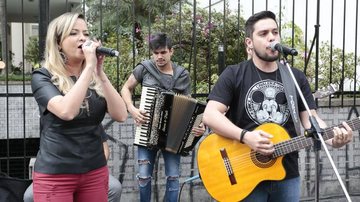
(68, 147)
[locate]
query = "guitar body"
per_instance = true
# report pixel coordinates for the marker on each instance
(231, 170)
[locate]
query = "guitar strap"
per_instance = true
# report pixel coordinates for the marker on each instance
(290, 92)
(153, 70)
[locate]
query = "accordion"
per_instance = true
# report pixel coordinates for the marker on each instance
(171, 118)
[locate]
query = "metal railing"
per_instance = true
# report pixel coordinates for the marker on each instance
(206, 42)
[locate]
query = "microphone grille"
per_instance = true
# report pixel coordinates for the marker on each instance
(273, 44)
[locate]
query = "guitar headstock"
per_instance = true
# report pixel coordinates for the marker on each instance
(325, 91)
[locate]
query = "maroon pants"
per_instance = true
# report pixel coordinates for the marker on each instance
(88, 187)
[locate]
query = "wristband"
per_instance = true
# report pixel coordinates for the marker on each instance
(242, 134)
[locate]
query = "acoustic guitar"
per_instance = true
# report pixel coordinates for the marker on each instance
(231, 170)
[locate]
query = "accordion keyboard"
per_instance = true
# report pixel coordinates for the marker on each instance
(146, 104)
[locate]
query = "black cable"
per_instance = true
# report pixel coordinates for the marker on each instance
(123, 146)
(181, 188)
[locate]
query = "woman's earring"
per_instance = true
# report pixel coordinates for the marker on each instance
(64, 57)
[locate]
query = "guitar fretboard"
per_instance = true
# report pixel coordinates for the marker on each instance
(301, 142)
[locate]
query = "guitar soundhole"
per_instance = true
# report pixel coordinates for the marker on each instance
(261, 160)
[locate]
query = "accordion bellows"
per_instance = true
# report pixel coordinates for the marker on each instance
(171, 119)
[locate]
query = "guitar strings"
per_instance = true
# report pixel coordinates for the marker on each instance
(287, 146)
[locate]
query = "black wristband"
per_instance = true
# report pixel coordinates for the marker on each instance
(242, 134)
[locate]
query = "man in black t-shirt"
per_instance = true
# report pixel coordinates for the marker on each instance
(252, 94)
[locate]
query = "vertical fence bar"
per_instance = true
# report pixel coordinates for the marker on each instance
(101, 20)
(307, 151)
(293, 30)
(266, 5)
(252, 7)
(118, 45)
(355, 57)
(83, 8)
(192, 39)
(195, 48)
(44, 8)
(180, 33)
(343, 55)
(331, 43)
(238, 34)
(208, 65)
(149, 25)
(222, 45)
(317, 145)
(164, 13)
(23, 88)
(7, 93)
(224, 32)
(133, 32)
(3, 55)
(280, 13)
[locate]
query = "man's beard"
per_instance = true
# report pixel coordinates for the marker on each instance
(266, 57)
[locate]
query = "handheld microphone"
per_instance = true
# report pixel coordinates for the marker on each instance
(276, 46)
(107, 51)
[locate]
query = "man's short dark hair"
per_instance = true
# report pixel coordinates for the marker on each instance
(249, 24)
(160, 40)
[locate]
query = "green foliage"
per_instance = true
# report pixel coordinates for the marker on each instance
(15, 77)
(124, 14)
(32, 54)
(208, 36)
(205, 40)
(119, 68)
(339, 67)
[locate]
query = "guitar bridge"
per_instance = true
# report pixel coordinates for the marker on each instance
(228, 166)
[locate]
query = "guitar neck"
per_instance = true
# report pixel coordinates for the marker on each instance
(302, 141)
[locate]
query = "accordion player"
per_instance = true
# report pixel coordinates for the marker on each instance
(171, 118)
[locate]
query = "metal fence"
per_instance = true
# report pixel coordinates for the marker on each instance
(208, 37)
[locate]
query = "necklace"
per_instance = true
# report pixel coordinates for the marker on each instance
(85, 103)
(276, 74)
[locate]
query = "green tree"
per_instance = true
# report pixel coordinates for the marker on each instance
(206, 38)
(208, 35)
(119, 68)
(342, 66)
(32, 52)
(124, 15)
(328, 67)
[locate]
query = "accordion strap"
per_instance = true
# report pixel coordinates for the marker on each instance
(153, 70)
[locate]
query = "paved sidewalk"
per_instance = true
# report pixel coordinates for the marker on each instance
(354, 198)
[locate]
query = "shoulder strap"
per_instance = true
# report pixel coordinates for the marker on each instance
(291, 97)
(178, 70)
(151, 68)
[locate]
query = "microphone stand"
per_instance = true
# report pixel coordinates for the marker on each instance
(315, 131)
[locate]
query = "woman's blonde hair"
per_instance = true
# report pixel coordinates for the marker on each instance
(58, 30)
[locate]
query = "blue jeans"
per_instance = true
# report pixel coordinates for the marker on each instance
(276, 191)
(146, 160)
